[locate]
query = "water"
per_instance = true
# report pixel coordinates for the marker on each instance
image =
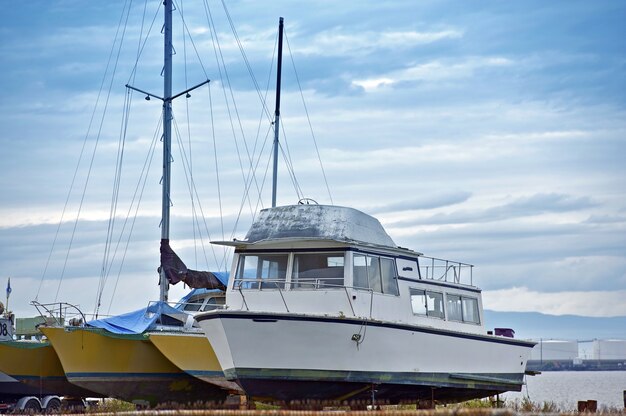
(566, 388)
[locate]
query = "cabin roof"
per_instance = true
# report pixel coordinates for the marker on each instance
(316, 222)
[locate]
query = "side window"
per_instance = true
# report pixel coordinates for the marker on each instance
(376, 273)
(453, 303)
(434, 304)
(462, 309)
(470, 310)
(418, 302)
(373, 274)
(317, 270)
(263, 270)
(193, 306)
(427, 303)
(214, 303)
(388, 271)
(359, 272)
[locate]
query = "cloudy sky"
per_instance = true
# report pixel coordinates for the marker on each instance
(487, 132)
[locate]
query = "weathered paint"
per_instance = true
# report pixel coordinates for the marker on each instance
(193, 354)
(129, 368)
(37, 365)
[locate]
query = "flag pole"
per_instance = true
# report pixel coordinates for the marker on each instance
(8, 294)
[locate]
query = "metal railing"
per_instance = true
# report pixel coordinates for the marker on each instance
(446, 270)
(315, 283)
(61, 313)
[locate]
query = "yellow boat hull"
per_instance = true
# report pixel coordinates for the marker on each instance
(193, 354)
(37, 367)
(127, 367)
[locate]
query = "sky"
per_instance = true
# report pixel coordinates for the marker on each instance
(486, 132)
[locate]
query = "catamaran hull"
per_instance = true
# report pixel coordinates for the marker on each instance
(127, 367)
(193, 354)
(37, 368)
(289, 357)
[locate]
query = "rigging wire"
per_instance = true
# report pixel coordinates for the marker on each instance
(306, 110)
(133, 72)
(217, 176)
(264, 143)
(220, 202)
(267, 135)
(193, 207)
(108, 259)
(291, 171)
(137, 195)
(223, 75)
(80, 157)
(191, 185)
(245, 58)
(114, 197)
(121, 41)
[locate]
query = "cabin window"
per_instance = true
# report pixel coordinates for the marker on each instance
(453, 304)
(214, 303)
(462, 309)
(359, 272)
(425, 302)
(261, 271)
(194, 306)
(388, 272)
(375, 273)
(317, 270)
(470, 310)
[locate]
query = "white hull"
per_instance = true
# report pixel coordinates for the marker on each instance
(268, 353)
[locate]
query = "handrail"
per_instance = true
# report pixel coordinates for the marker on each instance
(51, 309)
(349, 301)
(451, 271)
(315, 283)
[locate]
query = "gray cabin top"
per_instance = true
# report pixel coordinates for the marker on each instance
(324, 222)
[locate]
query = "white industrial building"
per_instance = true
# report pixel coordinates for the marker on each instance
(609, 349)
(553, 349)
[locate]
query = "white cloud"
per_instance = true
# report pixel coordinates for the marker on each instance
(433, 71)
(341, 42)
(585, 303)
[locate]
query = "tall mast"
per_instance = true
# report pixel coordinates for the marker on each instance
(168, 52)
(167, 134)
(277, 111)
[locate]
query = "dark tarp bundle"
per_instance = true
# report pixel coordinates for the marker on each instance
(176, 271)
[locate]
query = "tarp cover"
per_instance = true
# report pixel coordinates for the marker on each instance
(326, 222)
(176, 271)
(135, 322)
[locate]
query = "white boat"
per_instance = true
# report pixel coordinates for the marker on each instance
(322, 305)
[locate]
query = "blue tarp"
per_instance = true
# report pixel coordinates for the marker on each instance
(135, 322)
(138, 321)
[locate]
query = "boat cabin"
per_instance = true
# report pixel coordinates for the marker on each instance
(337, 261)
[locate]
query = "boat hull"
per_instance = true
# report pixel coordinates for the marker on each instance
(127, 367)
(287, 357)
(36, 366)
(193, 354)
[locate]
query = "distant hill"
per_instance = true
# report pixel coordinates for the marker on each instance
(536, 325)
